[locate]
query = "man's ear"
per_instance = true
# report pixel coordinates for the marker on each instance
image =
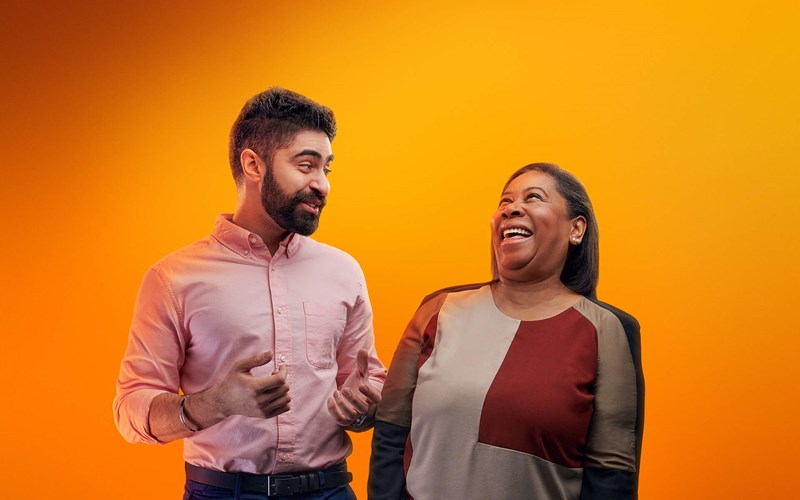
(253, 167)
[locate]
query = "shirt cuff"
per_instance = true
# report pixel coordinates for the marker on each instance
(132, 412)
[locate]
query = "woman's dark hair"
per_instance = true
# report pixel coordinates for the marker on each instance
(271, 120)
(582, 267)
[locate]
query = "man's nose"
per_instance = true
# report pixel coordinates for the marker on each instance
(320, 183)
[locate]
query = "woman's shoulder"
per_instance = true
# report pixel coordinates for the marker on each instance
(610, 318)
(433, 302)
(439, 295)
(627, 319)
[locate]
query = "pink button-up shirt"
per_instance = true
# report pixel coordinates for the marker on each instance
(224, 298)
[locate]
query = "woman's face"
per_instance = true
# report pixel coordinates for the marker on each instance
(531, 231)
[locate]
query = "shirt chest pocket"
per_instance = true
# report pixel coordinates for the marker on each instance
(324, 329)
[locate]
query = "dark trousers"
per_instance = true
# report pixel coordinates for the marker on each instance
(200, 491)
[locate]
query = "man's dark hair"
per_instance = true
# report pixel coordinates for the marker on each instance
(582, 267)
(271, 120)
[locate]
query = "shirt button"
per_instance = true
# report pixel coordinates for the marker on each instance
(253, 239)
(280, 310)
(284, 457)
(247, 252)
(283, 358)
(272, 268)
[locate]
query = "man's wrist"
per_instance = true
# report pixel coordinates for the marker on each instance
(184, 417)
(360, 420)
(365, 421)
(201, 410)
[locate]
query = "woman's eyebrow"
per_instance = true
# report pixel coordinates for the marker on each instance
(508, 193)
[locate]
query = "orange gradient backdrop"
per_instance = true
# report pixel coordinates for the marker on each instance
(681, 118)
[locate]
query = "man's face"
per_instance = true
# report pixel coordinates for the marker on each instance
(296, 183)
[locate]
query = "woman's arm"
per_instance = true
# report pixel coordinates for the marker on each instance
(614, 444)
(393, 420)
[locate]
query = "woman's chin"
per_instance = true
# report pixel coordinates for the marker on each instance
(514, 260)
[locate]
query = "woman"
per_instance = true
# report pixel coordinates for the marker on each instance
(523, 387)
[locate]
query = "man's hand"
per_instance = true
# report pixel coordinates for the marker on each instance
(240, 393)
(356, 396)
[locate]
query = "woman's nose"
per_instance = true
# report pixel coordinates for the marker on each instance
(512, 210)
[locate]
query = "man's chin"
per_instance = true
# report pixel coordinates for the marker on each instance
(306, 225)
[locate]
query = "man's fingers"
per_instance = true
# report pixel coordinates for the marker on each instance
(337, 414)
(356, 402)
(278, 411)
(247, 364)
(362, 361)
(348, 412)
(280, 373)
(347, 409)
(276, 406)
(373, 395)
(273, 393)
(273, 381)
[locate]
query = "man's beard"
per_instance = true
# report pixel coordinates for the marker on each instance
(284, 208)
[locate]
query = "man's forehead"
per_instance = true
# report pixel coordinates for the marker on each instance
(311, 137)
(309, 141)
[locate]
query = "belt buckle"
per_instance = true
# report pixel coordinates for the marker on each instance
(283, 485)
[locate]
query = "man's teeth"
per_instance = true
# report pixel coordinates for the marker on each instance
(516, 231)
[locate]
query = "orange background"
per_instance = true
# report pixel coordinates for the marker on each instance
(681, 118)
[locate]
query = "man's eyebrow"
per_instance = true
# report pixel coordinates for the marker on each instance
(314, 153)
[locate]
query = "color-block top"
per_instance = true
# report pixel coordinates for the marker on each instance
(502, 408)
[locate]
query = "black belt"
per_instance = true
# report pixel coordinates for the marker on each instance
(273, 485)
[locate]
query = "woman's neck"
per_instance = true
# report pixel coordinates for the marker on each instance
(530, 301)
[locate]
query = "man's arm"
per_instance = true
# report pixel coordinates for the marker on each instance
(239, 393)
(147, 404)
(154, 356)
(361, 374)
(354, 404)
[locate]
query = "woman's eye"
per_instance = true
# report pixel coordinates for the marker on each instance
(534, 195)
(504, 201)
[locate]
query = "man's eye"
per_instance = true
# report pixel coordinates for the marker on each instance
(327, 171)
(305, 166)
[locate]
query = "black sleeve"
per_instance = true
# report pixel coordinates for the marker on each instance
(622, 483)
(387, 478)
(608, 484)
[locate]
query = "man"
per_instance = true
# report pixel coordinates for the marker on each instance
(267, 333)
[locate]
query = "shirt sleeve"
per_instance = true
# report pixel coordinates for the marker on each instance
(152, 360)
(393, 420)
(614, 442)
(358, 334)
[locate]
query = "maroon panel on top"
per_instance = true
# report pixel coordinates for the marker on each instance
(540, 401)
(428, 341)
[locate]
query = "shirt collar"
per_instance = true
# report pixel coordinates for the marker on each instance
(245, 243)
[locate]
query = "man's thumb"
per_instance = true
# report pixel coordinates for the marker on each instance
(362, 360)
(247, 364)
